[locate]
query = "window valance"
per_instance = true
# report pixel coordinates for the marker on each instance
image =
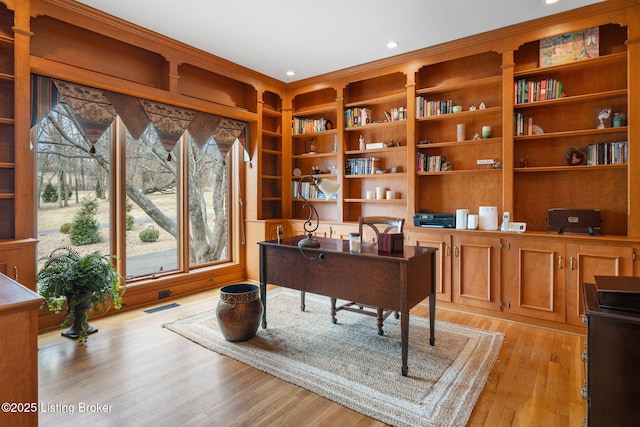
(95, 110)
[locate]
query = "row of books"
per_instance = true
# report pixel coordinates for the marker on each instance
(426, 108)
(357, 116)
(308, 190)
(395, 114)
(533, 91)
(607, 153)
(523, 125)
(361, 165)
(304, 125)
(425, 163)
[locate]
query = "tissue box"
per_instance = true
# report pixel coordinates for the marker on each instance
(390, 243)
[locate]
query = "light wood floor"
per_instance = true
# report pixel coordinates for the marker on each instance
(135, 372)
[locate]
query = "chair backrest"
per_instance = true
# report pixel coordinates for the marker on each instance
(386, 224)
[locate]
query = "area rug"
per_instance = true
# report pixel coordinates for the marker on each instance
(349, 363)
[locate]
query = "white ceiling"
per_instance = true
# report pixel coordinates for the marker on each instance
(316, 37)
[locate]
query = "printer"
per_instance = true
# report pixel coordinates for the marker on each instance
(434, 220)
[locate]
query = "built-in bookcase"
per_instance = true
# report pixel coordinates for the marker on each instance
(314, 146)
(7, 126)
(381, 104)
(552, 165)
(448, 174)
(271, 157)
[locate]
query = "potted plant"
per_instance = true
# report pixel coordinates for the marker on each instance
(84, 282)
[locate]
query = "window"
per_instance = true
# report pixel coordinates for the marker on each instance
(100, 152)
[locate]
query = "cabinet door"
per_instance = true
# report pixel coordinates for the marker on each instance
(584, 261)
(18, 261)
(534, 278)
(441, 242)
(476, 271)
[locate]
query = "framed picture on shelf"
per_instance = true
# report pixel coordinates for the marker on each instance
(575, 157)
(570, 47)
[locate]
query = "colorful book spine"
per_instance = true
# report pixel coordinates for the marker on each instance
(361, 165)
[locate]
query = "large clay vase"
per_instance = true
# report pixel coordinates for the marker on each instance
(80, 321)
(239, 311)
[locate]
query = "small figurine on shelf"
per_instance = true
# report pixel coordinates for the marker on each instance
(604, 116)
(361, 140)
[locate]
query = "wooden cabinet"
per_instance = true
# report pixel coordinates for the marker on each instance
(270, 155)
(18, 261)
(257, 231)
(586, 260)
(441, 242)
(449, 176)
(375, 144)
(552, 165)
(534, 278)
(524, 276)
(476, 271)
(19, 351)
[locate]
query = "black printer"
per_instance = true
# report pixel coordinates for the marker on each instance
(434, 220)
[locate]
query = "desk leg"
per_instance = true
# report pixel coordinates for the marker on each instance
(404, 333)
(263, 285)
(432, 303)
(263, 297)
(432, 319)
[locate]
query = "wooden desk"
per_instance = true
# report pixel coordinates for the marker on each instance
(18, 352)
(395, 281)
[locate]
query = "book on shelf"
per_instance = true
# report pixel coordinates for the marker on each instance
(302, 125)
(361, 165)
(395, 114)
(426, 108)
(526, 91)
(426, 163)
(357, 116)
(607, 153)
(523, 125)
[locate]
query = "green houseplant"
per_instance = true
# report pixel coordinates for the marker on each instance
(83, 282)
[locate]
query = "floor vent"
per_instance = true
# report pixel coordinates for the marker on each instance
(162, 307)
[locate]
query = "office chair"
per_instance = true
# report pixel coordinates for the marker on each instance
(379, 224)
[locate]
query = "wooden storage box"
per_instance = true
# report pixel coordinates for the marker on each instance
(390, 243)
(579, 221)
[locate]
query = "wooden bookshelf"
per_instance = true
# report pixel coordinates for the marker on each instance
(474, 83)
(385, 98)
(271, 157)
(570, 122)
(7, 126)
(314, 147)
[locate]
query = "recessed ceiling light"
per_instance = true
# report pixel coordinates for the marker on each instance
(550, 1)
(391, 45)
(291, 73)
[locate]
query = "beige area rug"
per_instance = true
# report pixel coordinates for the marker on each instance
(349, 363)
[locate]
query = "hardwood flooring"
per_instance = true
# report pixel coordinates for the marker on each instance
(134, 372)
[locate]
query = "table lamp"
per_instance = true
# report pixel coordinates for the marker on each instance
(329, 188)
